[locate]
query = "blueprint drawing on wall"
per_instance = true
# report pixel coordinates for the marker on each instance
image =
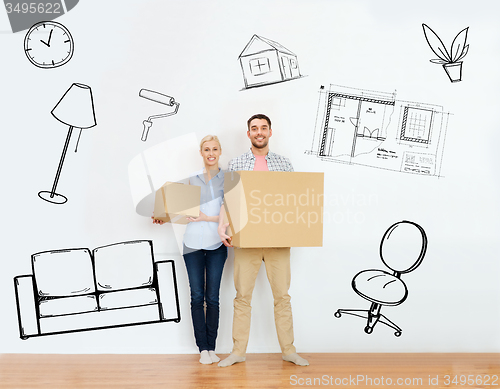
(371, 128)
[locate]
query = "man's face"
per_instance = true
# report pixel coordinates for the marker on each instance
(259, 133)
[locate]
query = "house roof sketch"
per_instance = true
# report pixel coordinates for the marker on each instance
(259, 44)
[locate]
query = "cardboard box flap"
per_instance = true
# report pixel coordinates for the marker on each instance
(174, 202)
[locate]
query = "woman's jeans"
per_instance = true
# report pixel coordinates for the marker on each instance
(204, 268)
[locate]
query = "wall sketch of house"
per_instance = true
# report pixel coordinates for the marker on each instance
(265, 62)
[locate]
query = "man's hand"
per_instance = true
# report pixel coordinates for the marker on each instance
(226, 239)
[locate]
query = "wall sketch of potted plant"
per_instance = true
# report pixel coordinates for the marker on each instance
(451, 60)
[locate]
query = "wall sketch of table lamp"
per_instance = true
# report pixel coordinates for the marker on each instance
(159, 98)
(402, 250)
(76, 109)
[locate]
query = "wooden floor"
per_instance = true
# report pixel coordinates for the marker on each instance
(31, 371)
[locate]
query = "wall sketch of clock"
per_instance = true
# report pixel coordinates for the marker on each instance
(48, 45)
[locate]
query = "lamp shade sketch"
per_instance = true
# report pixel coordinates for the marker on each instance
(265, 62)
(78, 289)
(402, 250)
(451, 59)
(173, 160)
(75, 109)
(158, 98)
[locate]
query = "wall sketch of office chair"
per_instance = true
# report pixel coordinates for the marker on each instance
(402, 250)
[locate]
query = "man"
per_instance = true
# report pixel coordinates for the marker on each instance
(248, 261)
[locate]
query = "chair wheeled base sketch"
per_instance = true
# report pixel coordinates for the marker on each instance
(373, 315)
(401, 244)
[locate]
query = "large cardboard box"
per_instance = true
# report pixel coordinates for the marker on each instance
(274, 209)
(174, 202)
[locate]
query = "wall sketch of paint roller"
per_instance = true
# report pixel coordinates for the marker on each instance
(158, 98)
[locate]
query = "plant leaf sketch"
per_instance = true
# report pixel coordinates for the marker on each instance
(451, 60)
(371, 128)
(158, 98)
(117, 285)
(265, 62)
(402, 250)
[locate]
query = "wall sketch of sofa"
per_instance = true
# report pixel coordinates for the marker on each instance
(80, 290)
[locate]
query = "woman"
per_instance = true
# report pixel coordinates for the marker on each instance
(204, 254)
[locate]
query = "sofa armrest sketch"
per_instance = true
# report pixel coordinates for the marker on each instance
(26, 305)
(74, 290)
(167, 290)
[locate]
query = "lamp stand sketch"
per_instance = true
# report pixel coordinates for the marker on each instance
(159, 98)
(51, 196)
(76, 109)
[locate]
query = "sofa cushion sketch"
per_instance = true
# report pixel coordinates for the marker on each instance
(79, 290)
(402, 250)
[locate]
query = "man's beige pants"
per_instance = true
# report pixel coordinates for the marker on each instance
(246, 267)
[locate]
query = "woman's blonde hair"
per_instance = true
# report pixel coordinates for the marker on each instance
(209, 138)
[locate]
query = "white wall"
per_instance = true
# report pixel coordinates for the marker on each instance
(189, 50)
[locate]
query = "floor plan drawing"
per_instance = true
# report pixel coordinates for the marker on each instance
(371, 128)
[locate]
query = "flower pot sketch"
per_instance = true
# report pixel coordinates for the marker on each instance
(454, 71)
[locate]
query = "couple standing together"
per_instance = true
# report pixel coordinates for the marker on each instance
(205, 253)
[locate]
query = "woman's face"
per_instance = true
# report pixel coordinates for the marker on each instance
(211, 152)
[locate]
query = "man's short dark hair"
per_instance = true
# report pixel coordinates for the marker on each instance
(259, 116)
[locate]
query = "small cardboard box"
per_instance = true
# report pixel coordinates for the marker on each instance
(174, 201)
(274, 209)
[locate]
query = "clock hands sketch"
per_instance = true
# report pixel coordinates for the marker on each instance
(56, 51)
(50, 37)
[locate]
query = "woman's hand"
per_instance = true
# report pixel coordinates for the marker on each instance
(156, 221)
(201, 218)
